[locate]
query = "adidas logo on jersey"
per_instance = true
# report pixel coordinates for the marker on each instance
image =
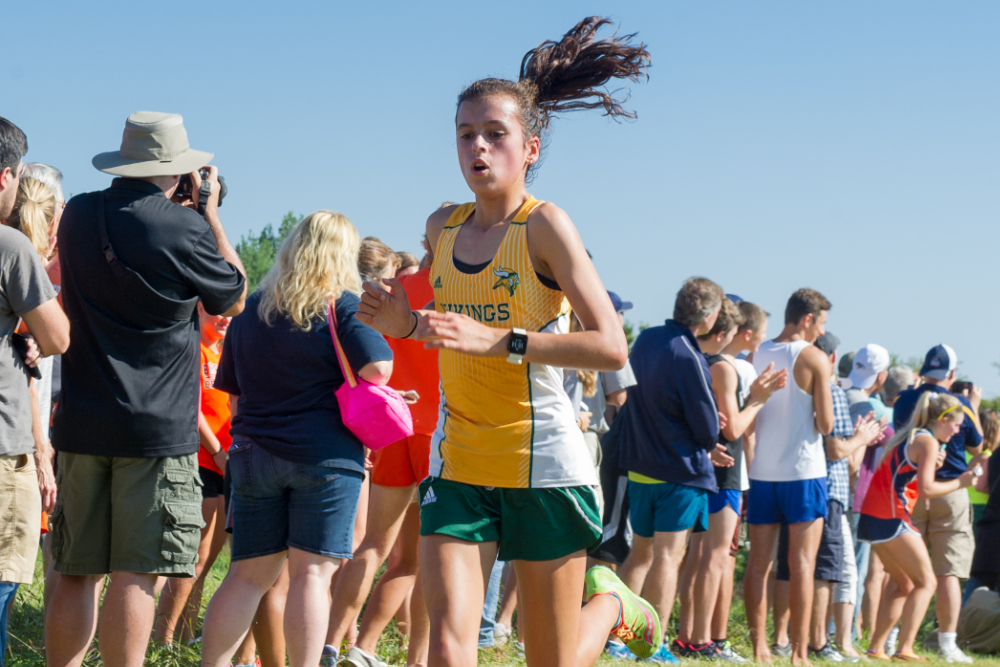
(429, 497)
(437, 282)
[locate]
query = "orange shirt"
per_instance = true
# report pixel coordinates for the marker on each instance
(413, 367)
(214, 405)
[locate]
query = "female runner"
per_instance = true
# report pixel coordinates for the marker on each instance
(510, 472)
(907, 468)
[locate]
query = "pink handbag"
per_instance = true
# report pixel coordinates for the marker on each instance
(378, 415)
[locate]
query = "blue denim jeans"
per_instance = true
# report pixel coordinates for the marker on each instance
(490, 606)
(7, 593)
(279, 504)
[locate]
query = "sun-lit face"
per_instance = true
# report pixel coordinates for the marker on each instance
(492, 150)
(728, 338)
(946, 429)
(756, 338)
(213, 327)
(816, 328)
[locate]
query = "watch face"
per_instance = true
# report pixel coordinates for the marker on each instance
(518, 344)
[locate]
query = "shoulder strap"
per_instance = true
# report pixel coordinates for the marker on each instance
(133, 284)
(527, 207)
(345, 366)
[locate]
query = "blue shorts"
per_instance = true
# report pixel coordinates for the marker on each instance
(279, 504)
(725, 497)
(877, 531)
(666, 508)
(786, 502)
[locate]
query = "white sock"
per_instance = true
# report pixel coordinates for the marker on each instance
(946, 640)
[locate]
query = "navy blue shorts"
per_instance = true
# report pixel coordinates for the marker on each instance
(279, 504)
(724, 498)
(786, 502)
(666, 508)
(875, 530)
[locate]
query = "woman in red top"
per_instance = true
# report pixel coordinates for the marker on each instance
(906, 469)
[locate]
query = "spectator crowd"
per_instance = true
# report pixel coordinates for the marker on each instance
(155, 414)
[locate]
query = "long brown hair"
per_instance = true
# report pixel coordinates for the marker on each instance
(587, 378)
(991, 429)
(568, 75)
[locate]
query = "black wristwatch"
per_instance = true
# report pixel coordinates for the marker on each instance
(517, 345)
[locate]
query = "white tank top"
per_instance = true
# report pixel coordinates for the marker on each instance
(789, 447)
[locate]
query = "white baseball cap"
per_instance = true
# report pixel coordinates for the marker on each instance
(868, 363)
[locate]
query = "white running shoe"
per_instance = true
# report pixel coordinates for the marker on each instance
(358, 658)
(501, 634)
(954, 654)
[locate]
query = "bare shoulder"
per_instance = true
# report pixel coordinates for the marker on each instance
(723, 374)
(437, 221)
(551, 234)
(548, 218)
(813, 358)
(922, 448)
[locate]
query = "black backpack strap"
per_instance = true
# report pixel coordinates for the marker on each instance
(134, 285)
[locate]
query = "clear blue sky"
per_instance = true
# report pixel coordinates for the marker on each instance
(852, 147)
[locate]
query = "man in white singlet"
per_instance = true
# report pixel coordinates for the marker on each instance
(788, 471)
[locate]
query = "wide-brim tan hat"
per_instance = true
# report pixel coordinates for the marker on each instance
(153, 144)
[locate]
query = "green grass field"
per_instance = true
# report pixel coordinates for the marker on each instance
(25, 646)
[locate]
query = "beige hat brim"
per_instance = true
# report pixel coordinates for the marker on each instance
(185, 163)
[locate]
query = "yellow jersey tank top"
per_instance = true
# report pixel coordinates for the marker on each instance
(502, 424)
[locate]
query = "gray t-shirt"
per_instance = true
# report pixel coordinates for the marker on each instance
(24, 286)
(608, 382)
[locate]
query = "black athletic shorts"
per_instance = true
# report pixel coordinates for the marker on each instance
(616, 543)
(211, 483)
(830, 557)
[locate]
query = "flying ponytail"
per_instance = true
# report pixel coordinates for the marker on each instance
(33, 214)
(569, 75)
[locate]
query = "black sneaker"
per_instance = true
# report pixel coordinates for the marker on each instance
(707, 652)
(781, 651)
(680, 649)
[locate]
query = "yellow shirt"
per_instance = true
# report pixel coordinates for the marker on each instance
(503, 424)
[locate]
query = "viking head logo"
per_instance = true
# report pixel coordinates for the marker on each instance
(506, 278)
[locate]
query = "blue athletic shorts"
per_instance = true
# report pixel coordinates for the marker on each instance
(666, 508)
(786, 502)
(725, 497)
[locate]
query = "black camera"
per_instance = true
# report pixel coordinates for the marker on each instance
(185, 190)
(962, 388)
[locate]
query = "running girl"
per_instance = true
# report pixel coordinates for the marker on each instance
(510, 471)
(907, 468)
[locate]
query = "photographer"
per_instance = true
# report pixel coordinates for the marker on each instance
(945, 522)
(134, 266)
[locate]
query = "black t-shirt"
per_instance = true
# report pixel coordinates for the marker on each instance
(286, 378)
(729, 477)
(130, 383)
(985, 564)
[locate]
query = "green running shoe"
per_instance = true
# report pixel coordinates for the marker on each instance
(638, 625)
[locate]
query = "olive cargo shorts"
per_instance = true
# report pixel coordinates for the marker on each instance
(124, 514)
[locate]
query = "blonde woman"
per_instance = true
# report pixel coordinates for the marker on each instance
(33, 214)
(296, 470)
(907, 468)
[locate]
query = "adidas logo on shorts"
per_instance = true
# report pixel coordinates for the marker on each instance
(429, 497)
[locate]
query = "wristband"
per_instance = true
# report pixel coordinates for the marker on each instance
(416, 323)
